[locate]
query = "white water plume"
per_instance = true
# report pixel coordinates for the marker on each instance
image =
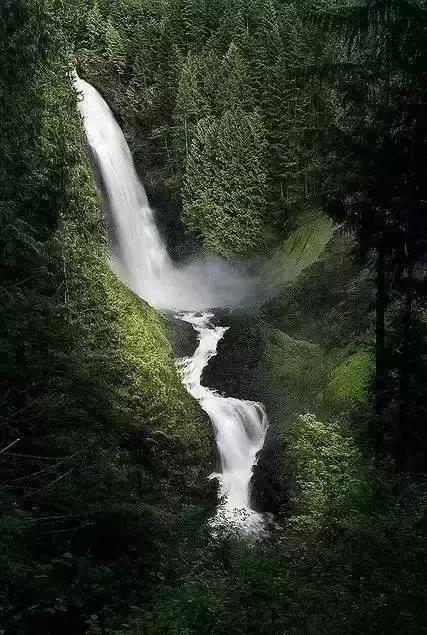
(140, 259)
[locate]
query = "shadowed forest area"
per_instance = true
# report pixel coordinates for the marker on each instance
(289, 136)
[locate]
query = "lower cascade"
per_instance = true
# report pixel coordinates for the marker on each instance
(139, 257)
(239, 426)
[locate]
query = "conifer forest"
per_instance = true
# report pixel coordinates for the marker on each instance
(213, 317)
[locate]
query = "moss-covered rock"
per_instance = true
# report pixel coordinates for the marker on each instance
(298, 251)
(296, 372)
(330, 302)
(349, 380)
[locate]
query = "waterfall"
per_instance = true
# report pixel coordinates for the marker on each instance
(140, 249)
(239, 426)
(139, 257)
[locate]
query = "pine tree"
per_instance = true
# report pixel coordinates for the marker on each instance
(234, 88)
(115, 50)
(95, 28)
(190, 104)
(232, 27)
(225, 202)
(291, 104)
(194, 20)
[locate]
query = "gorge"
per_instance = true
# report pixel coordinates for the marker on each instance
(213, 377)
(140, 259)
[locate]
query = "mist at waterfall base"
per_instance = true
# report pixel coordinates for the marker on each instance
(140, 259)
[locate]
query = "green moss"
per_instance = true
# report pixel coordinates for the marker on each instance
(300, 250)
(295, 370)
(350, 380)
(146, 347)
(330, 302)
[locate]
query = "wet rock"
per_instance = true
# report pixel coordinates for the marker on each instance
(269, 492)
(234, 371)
(181, 335)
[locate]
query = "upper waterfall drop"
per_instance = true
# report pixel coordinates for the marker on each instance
(141, 249)
(139, 256)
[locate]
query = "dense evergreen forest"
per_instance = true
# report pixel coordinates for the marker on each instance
(288, 135)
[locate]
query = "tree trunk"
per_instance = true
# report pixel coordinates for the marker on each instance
(402, 432)
(380, 345)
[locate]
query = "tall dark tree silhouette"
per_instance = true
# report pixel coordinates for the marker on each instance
(382, 191)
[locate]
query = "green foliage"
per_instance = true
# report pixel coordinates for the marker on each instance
(114, 48)
(225, 183)
(350, 379)
(95, 28)
(328, 470)
(190, 104)
(15, 555)
(247, 115)
(349, 537)
(233, 91)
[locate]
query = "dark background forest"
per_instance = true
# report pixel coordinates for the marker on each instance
(289, 134)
